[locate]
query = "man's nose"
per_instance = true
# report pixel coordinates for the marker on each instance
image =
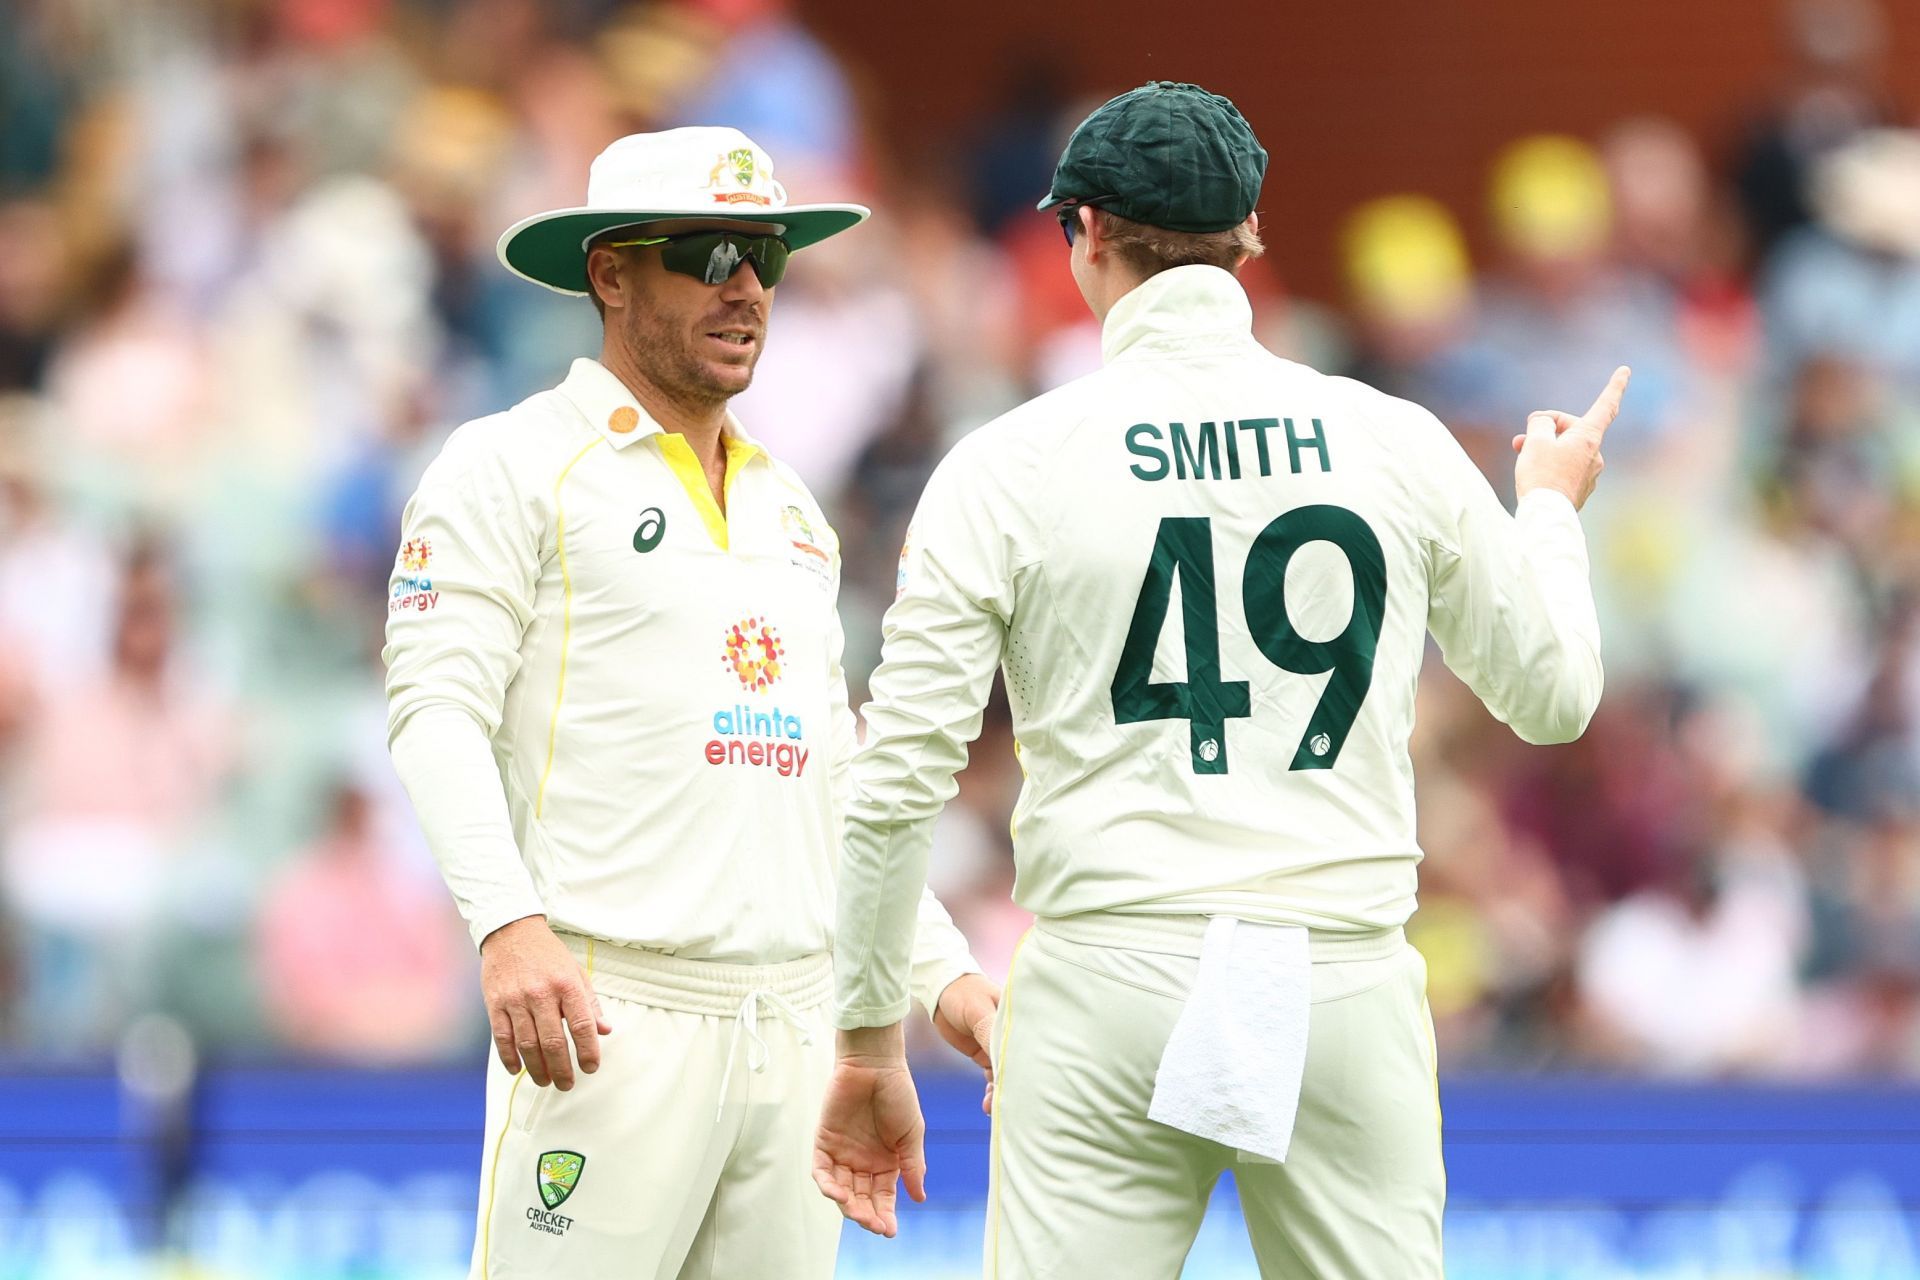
(744, 284)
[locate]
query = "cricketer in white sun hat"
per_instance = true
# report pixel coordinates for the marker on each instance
(698, 172)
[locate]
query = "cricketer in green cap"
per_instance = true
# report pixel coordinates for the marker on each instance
(1166, 155)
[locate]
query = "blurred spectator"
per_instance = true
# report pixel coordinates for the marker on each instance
(1864, 1003)
(1412, 291)
(1559, 299)
(1018, 145)
(32, 281)
(1834, 90)
(362, 959)
(125, 333)
(1849, 287)
(56, 573)
(119, 774)
(772, 79)
(1697, 975)
(1673, 231)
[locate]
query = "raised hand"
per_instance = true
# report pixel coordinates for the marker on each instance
(1562, 452)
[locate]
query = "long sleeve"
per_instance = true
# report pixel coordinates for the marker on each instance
(943, 640)
(939, 951)
(443, 757)
(1512, 607)
(461, 599)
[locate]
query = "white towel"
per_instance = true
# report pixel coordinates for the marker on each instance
(1231, 1071)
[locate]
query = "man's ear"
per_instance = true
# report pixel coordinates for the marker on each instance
(603, 277)
(1090, 230)
(1252, 224)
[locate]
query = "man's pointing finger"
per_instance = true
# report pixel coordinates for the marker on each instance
(1607, 407)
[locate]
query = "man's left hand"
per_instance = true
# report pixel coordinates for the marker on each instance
(871, 1132)
(964, 1020)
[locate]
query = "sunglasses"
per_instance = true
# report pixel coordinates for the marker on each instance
(712, 257)
(1068, 212)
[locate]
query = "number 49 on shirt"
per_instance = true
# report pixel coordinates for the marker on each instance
(1184, 546)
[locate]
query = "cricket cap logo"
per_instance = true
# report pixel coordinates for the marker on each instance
(743, 168)
(559, 1174)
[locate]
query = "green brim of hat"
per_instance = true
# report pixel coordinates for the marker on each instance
(550, 249)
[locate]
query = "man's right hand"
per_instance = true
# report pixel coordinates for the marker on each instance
(1561, 452)
(536, 996)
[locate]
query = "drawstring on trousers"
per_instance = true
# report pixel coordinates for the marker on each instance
(748, 1020)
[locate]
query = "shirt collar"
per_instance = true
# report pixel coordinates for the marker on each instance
(612, 410)
(1177, 307)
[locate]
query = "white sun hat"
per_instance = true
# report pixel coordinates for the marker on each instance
(699, 172)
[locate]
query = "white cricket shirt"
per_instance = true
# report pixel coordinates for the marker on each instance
(613, 704)
(1208, 574)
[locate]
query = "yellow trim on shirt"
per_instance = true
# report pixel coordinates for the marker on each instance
(1000, 1097)
(566, 622)
(686, 467)
(493, 1174)
(1013, 819)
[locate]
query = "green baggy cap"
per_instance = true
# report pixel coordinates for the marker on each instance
(1169, 155)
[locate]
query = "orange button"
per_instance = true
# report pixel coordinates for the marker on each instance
(623, 419)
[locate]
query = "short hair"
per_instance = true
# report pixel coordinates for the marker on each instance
(1150, 250)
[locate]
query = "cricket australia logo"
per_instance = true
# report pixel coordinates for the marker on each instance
(557, 1174)
(743, 169)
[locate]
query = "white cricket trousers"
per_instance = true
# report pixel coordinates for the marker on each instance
(688, 1155)
(1084, 1185)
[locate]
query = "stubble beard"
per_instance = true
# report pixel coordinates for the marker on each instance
(664, 357)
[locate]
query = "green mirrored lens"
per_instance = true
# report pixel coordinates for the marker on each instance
(712, 257)
(770, 260)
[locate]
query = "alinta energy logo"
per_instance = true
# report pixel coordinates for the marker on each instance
(412, 589)
(760, 737)
(753, 651)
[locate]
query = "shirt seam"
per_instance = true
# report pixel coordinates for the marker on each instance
(566, 622)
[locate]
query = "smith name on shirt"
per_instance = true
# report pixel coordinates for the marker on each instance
(1213, 450)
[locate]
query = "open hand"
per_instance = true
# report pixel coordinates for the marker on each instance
(871, 1137)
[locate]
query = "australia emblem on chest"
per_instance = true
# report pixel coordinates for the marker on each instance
(804, 548)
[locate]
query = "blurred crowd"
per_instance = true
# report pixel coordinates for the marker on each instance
(247, 286)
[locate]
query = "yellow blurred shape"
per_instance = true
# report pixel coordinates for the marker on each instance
(1550, 197)
(1452, 935)
(1405, 259)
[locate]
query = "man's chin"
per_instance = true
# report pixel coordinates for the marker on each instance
(728, 379)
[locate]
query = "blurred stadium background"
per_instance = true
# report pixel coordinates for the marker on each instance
(247, 285)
